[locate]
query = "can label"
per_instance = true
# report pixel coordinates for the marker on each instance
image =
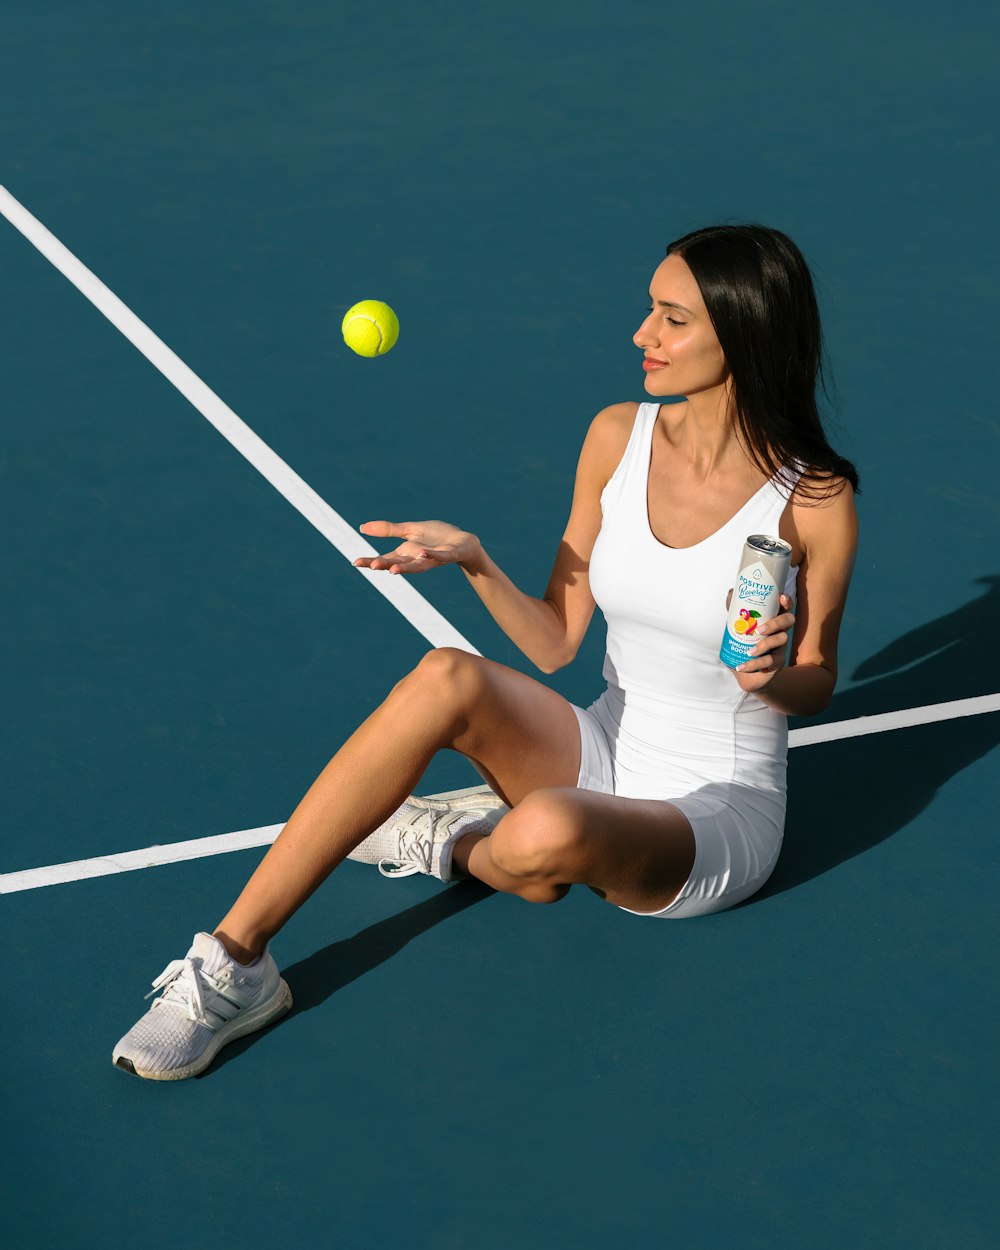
(760, 581)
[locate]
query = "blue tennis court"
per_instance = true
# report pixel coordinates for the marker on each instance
(188, 643)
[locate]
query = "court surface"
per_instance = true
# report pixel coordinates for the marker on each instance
(187, 643)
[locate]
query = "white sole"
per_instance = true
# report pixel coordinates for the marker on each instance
(471, 796)
(248, 1022)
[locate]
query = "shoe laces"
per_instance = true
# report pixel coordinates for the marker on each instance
(184, 984)
(416, 845)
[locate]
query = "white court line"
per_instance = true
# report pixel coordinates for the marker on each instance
(398, 590)
(128, 861)
(903, 719)
(174, 852)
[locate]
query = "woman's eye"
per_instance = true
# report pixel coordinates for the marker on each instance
(670, 319)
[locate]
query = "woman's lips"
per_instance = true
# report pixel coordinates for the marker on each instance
(650, 365)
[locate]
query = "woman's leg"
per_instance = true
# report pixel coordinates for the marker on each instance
(519, 733)
(635, 853)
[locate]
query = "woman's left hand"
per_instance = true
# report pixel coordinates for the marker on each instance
(768, 656)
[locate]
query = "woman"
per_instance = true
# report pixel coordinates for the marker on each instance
(667, 796)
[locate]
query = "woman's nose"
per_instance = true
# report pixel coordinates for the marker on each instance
(642, 335)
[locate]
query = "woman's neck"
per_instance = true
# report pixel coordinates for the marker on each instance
(703, 436)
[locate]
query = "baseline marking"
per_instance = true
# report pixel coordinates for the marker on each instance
(423, 616)
(174, 852)
(903, 719)
(128, 861)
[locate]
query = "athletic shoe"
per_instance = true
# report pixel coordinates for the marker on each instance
(472, 796)
(421, 834)
(208, 1000)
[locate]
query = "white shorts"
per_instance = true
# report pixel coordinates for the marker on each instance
(738, 828)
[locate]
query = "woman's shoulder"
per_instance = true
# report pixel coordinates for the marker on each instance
(815, 487)
(619, 415)
(615, 423)
(822, 504)
(610, 431)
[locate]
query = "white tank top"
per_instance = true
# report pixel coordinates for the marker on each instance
(665, 609)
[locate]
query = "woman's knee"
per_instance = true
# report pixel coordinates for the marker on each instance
(440, 690)
(538, 839)
(544, 892)
(450, 671)
(446, 676)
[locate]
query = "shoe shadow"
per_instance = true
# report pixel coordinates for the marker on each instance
(312, 980)
(847, 796)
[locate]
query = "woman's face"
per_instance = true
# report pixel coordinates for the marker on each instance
(678, 332)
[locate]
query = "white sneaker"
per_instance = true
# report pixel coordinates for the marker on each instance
(208, 1000)
(421, 834)
(472, 796)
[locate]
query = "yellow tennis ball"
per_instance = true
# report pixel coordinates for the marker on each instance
(370, 328)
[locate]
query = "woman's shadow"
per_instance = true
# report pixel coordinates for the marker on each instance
(314, 979)
(849, 795)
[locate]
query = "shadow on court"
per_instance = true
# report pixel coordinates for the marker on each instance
(313, 980)
(845, 797)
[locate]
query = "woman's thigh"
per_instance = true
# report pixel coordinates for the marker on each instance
(635, 853)
(525, 740)
(520, 735)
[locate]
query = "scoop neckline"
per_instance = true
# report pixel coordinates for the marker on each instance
(645, 500)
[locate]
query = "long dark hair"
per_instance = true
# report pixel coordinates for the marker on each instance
(759, 294)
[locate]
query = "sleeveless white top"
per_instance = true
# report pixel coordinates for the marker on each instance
(670, 700)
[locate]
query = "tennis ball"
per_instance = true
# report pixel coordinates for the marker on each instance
(370, 328)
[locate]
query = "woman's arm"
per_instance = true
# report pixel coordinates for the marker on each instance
(829, 533)
(533, 625)
(550, 630)
(802, 690)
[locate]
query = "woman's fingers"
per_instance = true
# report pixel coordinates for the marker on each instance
(768, 655)
(784, 621)
(397, 562)
(773, 640)
(767, 652)
(376, 562)
(413, 559)
(384, 529)
(381, 562)
(415, 553)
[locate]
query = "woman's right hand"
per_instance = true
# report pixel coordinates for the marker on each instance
(425, 545)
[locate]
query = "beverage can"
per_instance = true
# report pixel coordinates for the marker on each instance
(760, 583)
